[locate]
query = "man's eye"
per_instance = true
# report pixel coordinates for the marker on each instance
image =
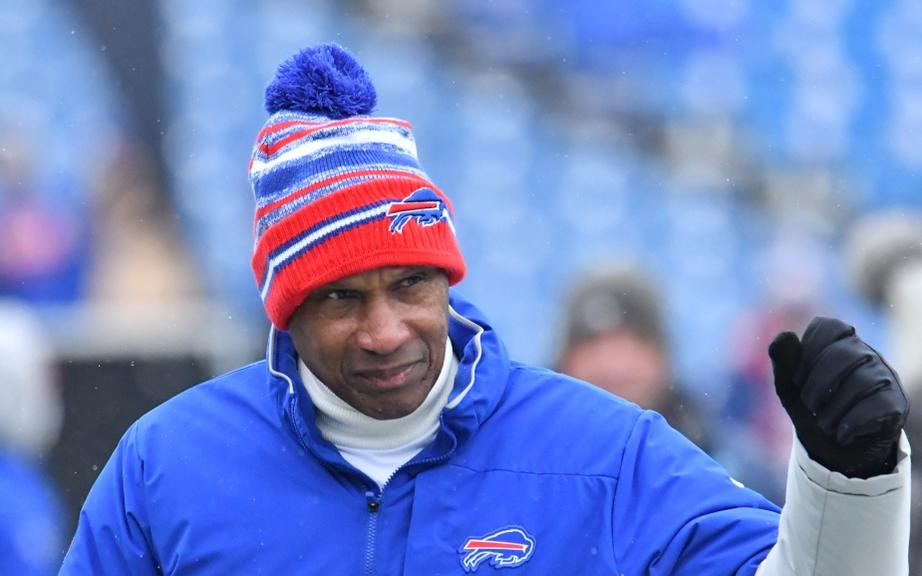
(338, 294)
(412, 280)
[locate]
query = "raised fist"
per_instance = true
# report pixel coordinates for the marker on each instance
(846, 402)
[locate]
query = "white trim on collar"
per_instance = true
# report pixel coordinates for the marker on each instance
(453, 402)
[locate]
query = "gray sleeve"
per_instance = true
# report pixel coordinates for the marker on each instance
(832, 525)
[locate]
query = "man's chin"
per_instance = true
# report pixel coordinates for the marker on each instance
(386, 401)
(393, 409)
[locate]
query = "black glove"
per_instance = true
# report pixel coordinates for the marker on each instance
(846, 402)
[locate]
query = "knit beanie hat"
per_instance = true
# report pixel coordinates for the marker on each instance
(611, 298)
(338, 192)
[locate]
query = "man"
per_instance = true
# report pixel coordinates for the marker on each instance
(387, 432)
(884, 256)
(614, 337)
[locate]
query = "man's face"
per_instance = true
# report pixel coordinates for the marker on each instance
(622, 363)
(376, 339)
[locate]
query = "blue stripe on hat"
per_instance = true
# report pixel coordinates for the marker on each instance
(341, 159)
(309, 178)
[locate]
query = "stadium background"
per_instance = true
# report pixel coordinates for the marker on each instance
(726, 146)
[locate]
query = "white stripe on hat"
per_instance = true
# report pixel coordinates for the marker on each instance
(330, 228)
(368, 136)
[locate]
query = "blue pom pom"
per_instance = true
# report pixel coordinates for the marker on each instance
(324, 80)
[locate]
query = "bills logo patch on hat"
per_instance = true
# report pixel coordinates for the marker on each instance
(424, 206)
(506, 548)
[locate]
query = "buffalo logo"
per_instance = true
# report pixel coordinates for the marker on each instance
(424, 206)
(506, 548)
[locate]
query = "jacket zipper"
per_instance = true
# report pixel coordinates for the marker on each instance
(374, 494)
(372, 497)
(373, 502)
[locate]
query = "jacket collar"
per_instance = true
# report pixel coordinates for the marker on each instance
(478, 386)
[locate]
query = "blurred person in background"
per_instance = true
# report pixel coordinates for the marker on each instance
(44, 245)
(614, 337)
(31, 514)
(756, 432)
(884, 251)
(126, 250)
(755, 429)
(138, 256)
(388, 432)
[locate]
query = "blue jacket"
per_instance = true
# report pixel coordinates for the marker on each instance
(530, 469)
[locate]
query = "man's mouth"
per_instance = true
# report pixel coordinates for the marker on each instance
(389, 377)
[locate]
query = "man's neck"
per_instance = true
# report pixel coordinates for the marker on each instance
(346, 427)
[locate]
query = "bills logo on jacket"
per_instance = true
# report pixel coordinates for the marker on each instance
(506, 548)
(423, 205)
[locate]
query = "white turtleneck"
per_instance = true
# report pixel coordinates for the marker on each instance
(379, 447)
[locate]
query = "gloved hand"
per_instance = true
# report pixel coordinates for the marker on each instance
(847, 404)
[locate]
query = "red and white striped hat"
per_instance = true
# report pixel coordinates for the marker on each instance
(338, 192)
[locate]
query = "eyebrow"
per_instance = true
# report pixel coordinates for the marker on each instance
(337, 285)
(343, 284)
(416, 269)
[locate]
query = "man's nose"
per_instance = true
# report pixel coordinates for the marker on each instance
(383, 329)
